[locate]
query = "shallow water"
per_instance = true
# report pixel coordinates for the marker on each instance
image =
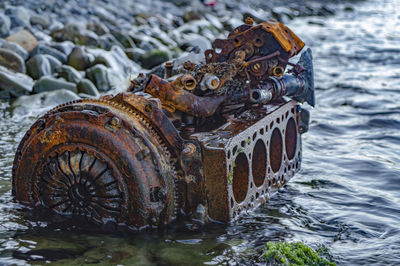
(346, 197)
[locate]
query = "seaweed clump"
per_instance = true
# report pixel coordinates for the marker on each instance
(283, 253)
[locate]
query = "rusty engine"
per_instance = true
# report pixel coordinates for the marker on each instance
(206, 139)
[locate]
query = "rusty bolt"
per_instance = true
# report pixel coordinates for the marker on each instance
(249, 21)
(168, 69)
(189, 149)
(115, 122)
(188, 65)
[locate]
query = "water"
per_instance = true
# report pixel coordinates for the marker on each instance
(346, 198)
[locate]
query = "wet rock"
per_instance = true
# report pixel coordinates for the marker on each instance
(5, 24)
(48, 83)
(25, 105)
(15, 47)
(134, 53)
(115, 59)
(40, 35)
(54, 62)
(18, 15)
(45, 49)
(191, 15)
(25, 39)
(85, 86)
(104, 78)
(12, 60)
(153, 58)
(75, 33)
(97, 27)
(193, 40)
(38, 66)
(40, 20)
(79, 59)
(69, 73)
(107, 41)
(123, 38)
(14, 84)
(64, 47)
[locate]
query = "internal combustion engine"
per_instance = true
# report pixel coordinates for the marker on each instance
(206, 137)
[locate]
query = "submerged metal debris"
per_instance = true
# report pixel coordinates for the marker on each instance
(204, 139)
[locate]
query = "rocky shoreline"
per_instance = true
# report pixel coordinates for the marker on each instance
(52, 51)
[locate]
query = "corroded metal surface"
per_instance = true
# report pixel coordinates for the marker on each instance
(206, 140)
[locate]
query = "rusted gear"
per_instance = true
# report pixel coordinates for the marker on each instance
(88, 168)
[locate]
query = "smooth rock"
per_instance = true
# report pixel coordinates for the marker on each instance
(54, 62)
(134, 53)
(40, 20)
(14, 84)
(18, 15)
(26, 105)
(104, 78)
(107, 41)
(65, 47)
(75, 33)
(79, 59)
(15, 47)
(97, 27)
(38, 66)
(85, 86)
(69, 73)
(123, 38)
(191, 15)
(5, 24)
(48, 83)
(25, 39)
(153, 58)
(42, 48)
(115, 59)
(12, 60)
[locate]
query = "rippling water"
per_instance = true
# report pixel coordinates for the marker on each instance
(346, 198)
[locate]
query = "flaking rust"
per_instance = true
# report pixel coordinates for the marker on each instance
(203, 137)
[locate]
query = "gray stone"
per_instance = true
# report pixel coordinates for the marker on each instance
(48, 83)
(85, 86)
(45, 49)
(115, 59)
(5, 24)
(107, 41)
(12, 60)
(38, 66)
(40, 20)
(75, 33)
(24, 38)
(79, 59)
(41, 102)
(69, 73)
(97, 27)
(15, 47)
(134, 53)
(14, 84)
(19, 16)
(64, 47)
(54, 62)
(123, 38)
(104, 78)
(153, 58)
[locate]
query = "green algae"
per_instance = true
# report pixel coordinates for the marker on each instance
(296, 253)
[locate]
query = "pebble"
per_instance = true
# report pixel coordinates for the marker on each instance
(14, 84)
(38, 66)
(40, 20)
(104, 78)
(12, 60)
(18, 15)
(5, 24)
(25, 39)
(79, 59)
(153, 58)
(69, 73)
(85, 86)
(43, 101)
(42, 48)
(15, 47)
(48, 83)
